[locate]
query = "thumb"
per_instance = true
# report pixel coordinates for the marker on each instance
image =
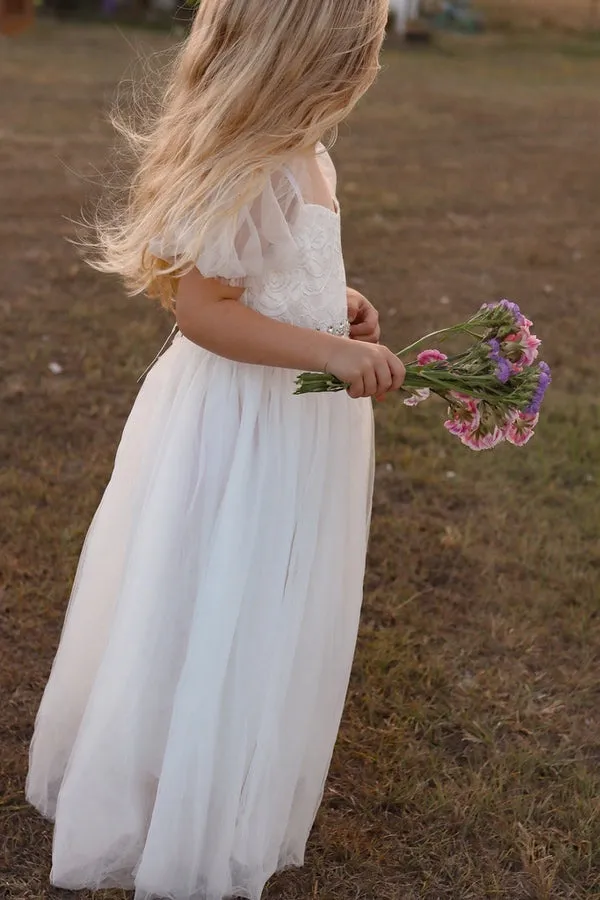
(353, 308)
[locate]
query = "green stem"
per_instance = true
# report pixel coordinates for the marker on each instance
(472, 333)
(443, 331)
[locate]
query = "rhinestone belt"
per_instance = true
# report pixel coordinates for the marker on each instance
(339, 328)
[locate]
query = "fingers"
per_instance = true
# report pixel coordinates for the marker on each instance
(384, 377)
(371, 381)
(381, 371)
(397, 371)
(364, 331)
(366, 323)
(388, 375)
(376, 380)
(353, 307)
(369, 316)
(357, 388)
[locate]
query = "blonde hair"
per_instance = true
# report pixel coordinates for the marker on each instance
(255, 82)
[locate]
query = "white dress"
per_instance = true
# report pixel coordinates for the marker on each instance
(186, 731)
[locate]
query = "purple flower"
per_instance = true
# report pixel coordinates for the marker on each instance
(544, 381)
(503, 369)
(513, 308)
(494, 346)
(508, 305)
(504, 315)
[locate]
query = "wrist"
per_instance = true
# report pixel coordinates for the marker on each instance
(320, 349)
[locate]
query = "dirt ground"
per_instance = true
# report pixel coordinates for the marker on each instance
(468, 762)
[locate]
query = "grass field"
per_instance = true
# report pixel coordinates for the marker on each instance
(468, 762)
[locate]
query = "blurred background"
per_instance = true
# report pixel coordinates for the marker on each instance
(468, 765)
(472, 15)
(407, 17)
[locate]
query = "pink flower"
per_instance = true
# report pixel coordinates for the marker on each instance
(481, 439)
(427, 357)
(520, 429)
(463, 417)
(417, 397)
(530, 345)
(469, 425)
(525, 342)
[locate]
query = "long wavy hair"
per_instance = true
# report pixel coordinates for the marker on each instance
(255, 82)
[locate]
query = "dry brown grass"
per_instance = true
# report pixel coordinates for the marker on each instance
(468, 762)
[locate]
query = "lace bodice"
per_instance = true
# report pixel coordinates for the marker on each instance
(284, 250)
(312, 291)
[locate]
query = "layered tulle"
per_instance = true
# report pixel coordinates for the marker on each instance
(187, 728)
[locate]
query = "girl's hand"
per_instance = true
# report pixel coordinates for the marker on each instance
(363, 318)
(371, 370)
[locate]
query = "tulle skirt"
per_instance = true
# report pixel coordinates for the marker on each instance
(186, 731)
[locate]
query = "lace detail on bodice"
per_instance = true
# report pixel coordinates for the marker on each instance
(283, 248)
(312, 293)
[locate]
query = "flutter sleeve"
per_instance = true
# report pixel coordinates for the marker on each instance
(244, 245)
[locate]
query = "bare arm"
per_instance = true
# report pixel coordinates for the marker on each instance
(209, 314)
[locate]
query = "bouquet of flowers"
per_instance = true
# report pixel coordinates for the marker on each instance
(494, 389)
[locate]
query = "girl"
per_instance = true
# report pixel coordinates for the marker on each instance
(185, 734)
